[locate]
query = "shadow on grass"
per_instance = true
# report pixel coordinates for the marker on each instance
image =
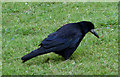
(52, 58)
(44, 59)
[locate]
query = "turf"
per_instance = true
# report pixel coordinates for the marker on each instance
(25, 25)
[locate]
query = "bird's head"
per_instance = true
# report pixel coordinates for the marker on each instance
(89, 27)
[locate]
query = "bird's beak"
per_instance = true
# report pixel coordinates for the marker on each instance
(93, 32)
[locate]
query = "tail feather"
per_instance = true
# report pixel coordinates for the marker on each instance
(32, 54)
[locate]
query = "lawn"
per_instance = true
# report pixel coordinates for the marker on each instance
(25, 25)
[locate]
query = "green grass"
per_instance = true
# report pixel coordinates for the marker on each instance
(25, 25)
(0, 50)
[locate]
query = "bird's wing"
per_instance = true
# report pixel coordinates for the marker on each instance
(57, 41)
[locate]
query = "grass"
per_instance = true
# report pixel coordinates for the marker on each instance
(0, 39)
(25, 25)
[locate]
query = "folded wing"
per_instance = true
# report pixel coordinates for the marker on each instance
(59, 41)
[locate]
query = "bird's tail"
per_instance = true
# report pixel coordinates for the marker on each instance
(32, 54)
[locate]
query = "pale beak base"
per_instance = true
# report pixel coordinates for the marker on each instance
(93, 32)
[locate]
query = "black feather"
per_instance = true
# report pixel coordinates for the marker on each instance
(64, 41)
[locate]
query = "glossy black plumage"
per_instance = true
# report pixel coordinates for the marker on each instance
(64, 41)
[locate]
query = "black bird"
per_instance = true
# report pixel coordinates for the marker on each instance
(64, 41)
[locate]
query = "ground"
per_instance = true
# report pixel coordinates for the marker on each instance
(25, 25)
